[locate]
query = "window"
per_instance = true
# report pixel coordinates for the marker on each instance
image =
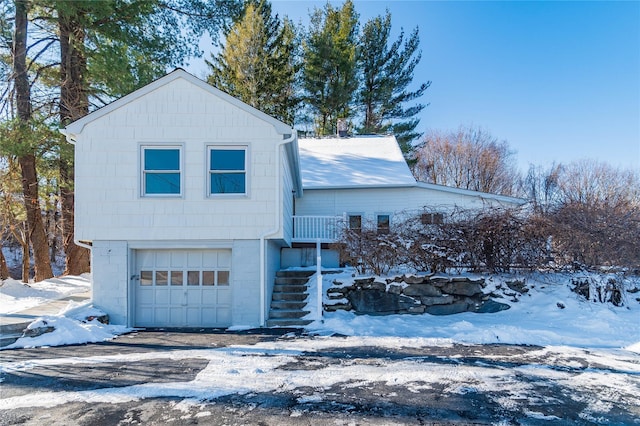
(383, 221)
(161, 171)
(355, 222)
(432, 218)
(227, 170)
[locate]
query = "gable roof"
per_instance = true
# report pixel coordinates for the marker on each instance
(357, 162)
(77, 126)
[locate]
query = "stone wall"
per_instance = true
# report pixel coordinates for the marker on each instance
(410, 294)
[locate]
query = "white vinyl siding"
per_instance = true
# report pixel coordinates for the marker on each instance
(108, 170)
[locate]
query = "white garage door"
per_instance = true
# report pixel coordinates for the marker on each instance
(183, 288)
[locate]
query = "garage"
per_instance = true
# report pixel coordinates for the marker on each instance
(182, 288)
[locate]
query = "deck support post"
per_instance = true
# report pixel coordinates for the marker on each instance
(319, 278)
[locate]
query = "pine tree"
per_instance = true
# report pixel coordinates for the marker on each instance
(329, 77)
(257, 63)
(25, 149)
(387, 71)
(142, 32)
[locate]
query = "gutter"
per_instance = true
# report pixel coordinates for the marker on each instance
(71, 138)
(277, 226)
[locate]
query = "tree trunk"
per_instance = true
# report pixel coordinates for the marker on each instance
(4, 270)
(36, 233)
(25, 261)
(74, 103)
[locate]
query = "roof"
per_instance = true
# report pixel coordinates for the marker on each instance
(483, 195)
(77, 126)
(355, 162)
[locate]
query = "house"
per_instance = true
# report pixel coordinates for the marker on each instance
(190, 201)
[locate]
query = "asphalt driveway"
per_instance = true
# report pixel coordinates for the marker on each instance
(276, 377)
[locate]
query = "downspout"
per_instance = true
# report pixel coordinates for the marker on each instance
(71, 138)
(276, 228)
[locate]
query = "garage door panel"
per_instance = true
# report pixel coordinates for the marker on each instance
(178, 259)
(194, 297)
(183, 288)
(177, 297)
(224, 259)
(145, 315)
(194, 317)
(145, 296)
(161, 297)
(209, 296)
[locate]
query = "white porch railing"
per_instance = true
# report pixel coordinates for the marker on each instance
(314, 228)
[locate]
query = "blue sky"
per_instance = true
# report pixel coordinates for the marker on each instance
(559, 81)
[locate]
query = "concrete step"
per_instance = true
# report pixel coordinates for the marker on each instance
(289, 288)
(287, 304)
(287, 322)
(295, 274)
(291, 280)
(291, 297)
(287, 313)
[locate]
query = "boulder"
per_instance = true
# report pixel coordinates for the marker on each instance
(462, 288)
(395, 289)
(415, 279)
(337, 307)
(379, 302)
(517, 285)
(438, 300)
(491, 307)
(453, 308)
(422, 290)
(337, 292)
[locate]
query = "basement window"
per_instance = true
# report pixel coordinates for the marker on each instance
(432, 218)
(383, 222)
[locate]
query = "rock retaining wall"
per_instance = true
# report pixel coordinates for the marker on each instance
(410, 294)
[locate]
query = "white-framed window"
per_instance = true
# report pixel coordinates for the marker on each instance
(432, 218)
(355, 221)
(161, 170)
(227, 167)
(383, 223)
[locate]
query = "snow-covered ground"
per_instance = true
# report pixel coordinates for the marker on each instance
(535, 319)
(548, 314)
(587, 350)
(16, 296)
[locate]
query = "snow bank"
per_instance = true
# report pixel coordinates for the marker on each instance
(16, 296)
(548, 314)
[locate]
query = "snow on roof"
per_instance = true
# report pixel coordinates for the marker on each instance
(363, 161)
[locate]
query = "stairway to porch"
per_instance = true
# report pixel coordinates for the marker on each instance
(289, 299)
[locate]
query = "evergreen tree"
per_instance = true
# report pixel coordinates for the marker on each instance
(25, 149)
(105, 49)
(257, 63)
(387, 71)
(329, 77)
(141, 32)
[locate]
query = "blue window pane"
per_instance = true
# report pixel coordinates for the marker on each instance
(162, 183)
(227, 159)
(162, 159)
(227, 183)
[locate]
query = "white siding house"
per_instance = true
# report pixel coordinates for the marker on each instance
(191, 200)
(368, 178)
(184, 195)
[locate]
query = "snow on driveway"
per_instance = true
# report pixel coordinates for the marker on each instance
(599, 381)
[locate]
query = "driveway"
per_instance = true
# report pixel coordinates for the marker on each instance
(277, 377)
